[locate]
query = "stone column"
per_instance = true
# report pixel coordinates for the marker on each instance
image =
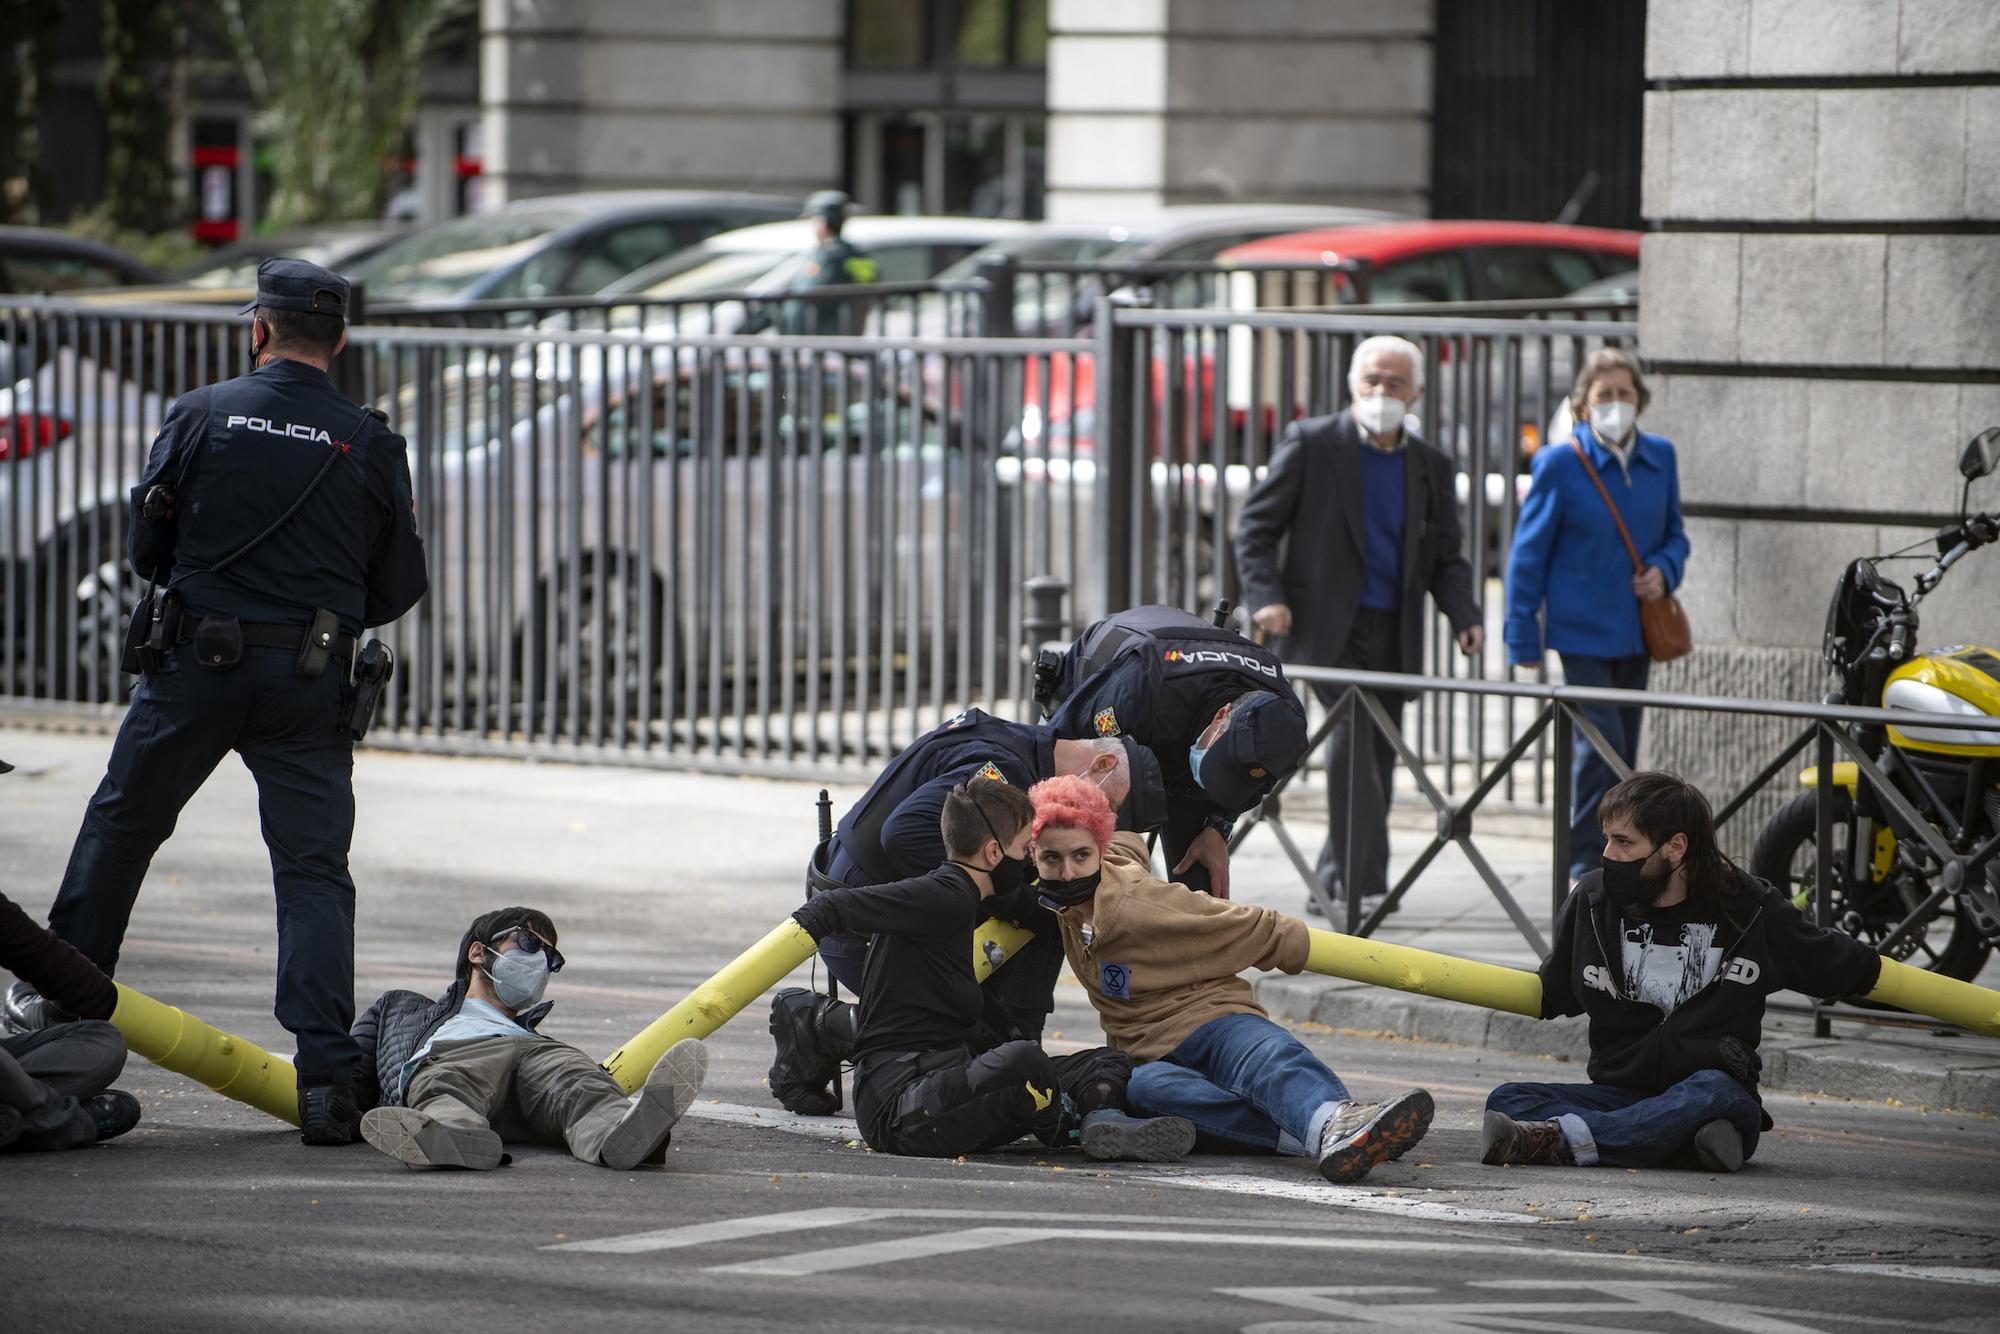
(1822, 313)
(1157, 102)
(608, 94)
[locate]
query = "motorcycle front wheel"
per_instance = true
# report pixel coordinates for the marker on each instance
(1948, 942)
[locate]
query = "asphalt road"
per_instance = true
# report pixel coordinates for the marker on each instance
(210, 1216)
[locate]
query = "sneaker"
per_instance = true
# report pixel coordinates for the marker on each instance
(115, 1111)
(1502, 1140)
(1361, 1134)
(1369, 903)
(417, 1140)
(664, 1098)
(1110, 1137)
(1719, 1147)
(328, 1115)
(28, 1011)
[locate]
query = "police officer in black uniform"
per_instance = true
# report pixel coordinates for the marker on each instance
(1183, 686)
(894, 833)
(277, 517)
(833, 263)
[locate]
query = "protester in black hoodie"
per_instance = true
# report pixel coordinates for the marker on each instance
(1671, 950)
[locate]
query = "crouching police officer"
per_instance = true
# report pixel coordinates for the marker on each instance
(1213, 706)
(276, 518)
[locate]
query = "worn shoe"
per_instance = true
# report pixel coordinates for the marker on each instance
(26, 1010)
(1503, 1140)
(328, 1115)
(417, 1140)
(115, 1111)
(1369, 903)
(812, 1034)
(1360, 1135)
(1111, 1137)
(665, 1097)
(1719, 1147)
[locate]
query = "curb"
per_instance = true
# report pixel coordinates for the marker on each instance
(1869, 1068)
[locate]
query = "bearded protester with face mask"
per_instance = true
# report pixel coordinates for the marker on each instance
(449, 1081)
(1161, 965)
(931, 1079)
(1671, 950)
(1570, 582)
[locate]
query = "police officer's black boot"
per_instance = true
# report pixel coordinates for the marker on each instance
(29, 1011)
(328, 1115)
(814, 1034)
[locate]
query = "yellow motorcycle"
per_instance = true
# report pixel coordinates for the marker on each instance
(1892, 884)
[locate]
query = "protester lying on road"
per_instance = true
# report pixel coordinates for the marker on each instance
(55, 1082)
(932, 1080)
(1671, 950)
(450, 1080)
(1160, 962)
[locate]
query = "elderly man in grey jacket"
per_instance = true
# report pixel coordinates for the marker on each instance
(1356, 520)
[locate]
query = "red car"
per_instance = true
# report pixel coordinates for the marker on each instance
(1451, 261)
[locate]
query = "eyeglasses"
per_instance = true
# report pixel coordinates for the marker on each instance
(527, 940)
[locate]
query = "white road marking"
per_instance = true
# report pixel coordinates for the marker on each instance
(1932, 1273)
(1345, 1197)
(900, 1249)
(836, 1128)
(728, 1229)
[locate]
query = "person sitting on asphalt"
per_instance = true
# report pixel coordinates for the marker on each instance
(1671, 950)
(55, 1082)
(930, 1082)
(449, 1081)
(892, 834)
(1160, 963)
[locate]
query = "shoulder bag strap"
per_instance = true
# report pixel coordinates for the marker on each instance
(1638, 566)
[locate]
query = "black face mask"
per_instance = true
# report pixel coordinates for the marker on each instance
(1628, 884)
(1060, 894)
(1010, 874)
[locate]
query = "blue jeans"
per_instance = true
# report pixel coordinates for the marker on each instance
(1625, 1128)
(1591, 775)
(1242, 1080)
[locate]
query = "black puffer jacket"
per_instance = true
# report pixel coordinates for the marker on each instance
(396, 1026)
(1767, 945)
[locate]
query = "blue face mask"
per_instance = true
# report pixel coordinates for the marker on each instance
(1195, 755)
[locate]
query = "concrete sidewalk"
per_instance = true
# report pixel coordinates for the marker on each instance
(1451, 911)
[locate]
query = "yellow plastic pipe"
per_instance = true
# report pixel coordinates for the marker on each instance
(1384, 965)
(712, 1004)
(233, 1066)
(1946, 998)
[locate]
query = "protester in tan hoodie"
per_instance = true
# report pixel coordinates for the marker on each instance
(1161, 962)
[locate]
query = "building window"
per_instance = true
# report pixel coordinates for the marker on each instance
(947, 34)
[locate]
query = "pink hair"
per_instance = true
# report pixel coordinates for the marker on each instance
(1070, 802)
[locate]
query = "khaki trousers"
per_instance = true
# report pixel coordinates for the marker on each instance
(524, 1089)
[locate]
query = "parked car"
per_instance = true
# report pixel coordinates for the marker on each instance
(37, 261)
(332, 245)
(555, 245)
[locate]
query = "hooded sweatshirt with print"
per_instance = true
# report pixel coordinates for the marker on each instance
(1162, 959)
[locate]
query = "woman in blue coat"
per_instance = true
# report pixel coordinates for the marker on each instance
(1570, 583)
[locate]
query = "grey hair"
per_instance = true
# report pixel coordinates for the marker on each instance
(1120, 780)
(1380, 343)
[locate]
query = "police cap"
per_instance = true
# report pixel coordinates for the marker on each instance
(1263, 744)
(833, 205)
(294, 284)
(1145, 807)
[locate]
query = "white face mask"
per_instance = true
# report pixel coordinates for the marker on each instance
(1379, 416)
(518, 978)
(1612, 421)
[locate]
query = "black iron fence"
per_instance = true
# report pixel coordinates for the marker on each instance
(757, 552)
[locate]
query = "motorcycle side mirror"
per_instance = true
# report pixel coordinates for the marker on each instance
(1866, 577)
(1981, 455)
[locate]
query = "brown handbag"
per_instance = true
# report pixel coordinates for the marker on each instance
(1662, 622)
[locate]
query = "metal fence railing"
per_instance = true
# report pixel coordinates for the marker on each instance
(755, 551)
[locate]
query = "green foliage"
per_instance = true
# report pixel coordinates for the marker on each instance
(334, 82)
(139, 40)
(165, 250)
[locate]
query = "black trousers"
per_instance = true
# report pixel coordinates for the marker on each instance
(184, 719)
(45, 1076)
(1357, 809)
(943, 1104)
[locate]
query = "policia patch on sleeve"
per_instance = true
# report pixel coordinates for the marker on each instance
(992, 771)
(1105, 722)
(1115, 981)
